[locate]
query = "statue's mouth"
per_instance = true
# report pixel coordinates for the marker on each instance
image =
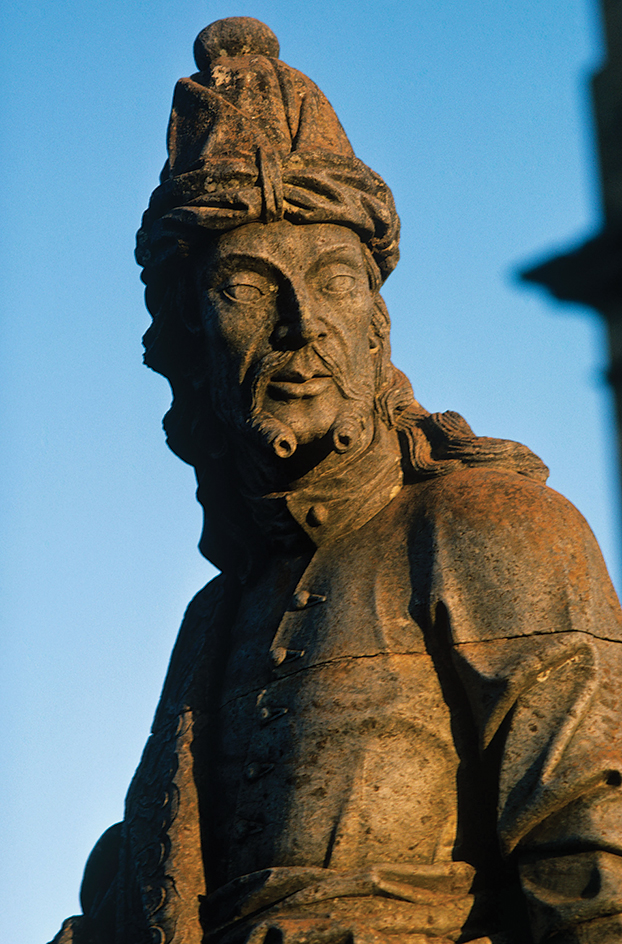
(293, 384)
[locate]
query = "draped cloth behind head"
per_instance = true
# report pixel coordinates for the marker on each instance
(251, 139)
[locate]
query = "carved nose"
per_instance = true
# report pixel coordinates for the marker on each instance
(299, 323)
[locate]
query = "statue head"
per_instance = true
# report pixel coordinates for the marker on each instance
(263, 251)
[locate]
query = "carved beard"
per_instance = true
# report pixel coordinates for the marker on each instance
(277, 437)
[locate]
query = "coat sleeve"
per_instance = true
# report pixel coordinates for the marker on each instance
(537, 642)
(144, 878)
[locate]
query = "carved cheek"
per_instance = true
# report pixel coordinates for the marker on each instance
(238, 329)
(358, 333)
(245, 341)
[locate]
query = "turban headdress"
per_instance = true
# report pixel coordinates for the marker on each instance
(251, 139)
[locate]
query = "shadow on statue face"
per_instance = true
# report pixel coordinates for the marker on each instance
(287, 312)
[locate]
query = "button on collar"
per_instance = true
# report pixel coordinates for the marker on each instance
(317, 515)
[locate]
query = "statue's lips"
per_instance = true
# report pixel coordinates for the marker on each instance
(292, 385)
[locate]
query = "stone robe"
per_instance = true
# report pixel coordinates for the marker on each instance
(411, 734)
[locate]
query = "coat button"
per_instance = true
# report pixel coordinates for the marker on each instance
(303, 598)
(269, 714)
(300, 599)
(246, 827)
(255, 770)
(280, 654)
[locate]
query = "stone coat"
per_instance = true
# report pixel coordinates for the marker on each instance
(409, 735)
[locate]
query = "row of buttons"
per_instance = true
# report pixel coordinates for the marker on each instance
(301, 600)
(279, 655)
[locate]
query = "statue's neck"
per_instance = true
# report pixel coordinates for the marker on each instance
(287, 514)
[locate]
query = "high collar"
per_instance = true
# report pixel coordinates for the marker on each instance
(328, 504)
(339, 495)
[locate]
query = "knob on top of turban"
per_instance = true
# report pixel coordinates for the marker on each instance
(234, 36)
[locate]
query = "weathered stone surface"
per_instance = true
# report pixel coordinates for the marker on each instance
(395, 715)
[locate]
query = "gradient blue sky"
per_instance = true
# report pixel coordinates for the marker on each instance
(476, 113)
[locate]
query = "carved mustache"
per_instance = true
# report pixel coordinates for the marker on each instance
(298, 366)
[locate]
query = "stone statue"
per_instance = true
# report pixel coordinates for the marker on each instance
(395, 715)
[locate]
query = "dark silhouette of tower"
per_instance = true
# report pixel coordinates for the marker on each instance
(592, 273)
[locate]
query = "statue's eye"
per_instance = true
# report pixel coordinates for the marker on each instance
(242, 292)
(340, 284)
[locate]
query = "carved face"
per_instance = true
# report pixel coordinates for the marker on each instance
(287, 312)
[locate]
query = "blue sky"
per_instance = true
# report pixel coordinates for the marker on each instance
(477, 116)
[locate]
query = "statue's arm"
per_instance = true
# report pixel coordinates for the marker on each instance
(97, 894)
(113, 898)
(549, 708)
(537, 643)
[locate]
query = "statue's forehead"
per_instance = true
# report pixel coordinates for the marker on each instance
(285, 244)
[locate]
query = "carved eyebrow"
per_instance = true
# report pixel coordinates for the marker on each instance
(225, 266)
(345, 253)
(245, 258)
(265, 265)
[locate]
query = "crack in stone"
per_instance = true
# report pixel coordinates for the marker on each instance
(317, 665)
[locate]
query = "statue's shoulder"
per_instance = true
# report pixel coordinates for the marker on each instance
(483, 515)
(201, 624)
(482, 499)
(202, 614)
(206, 601)
(506, 543)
